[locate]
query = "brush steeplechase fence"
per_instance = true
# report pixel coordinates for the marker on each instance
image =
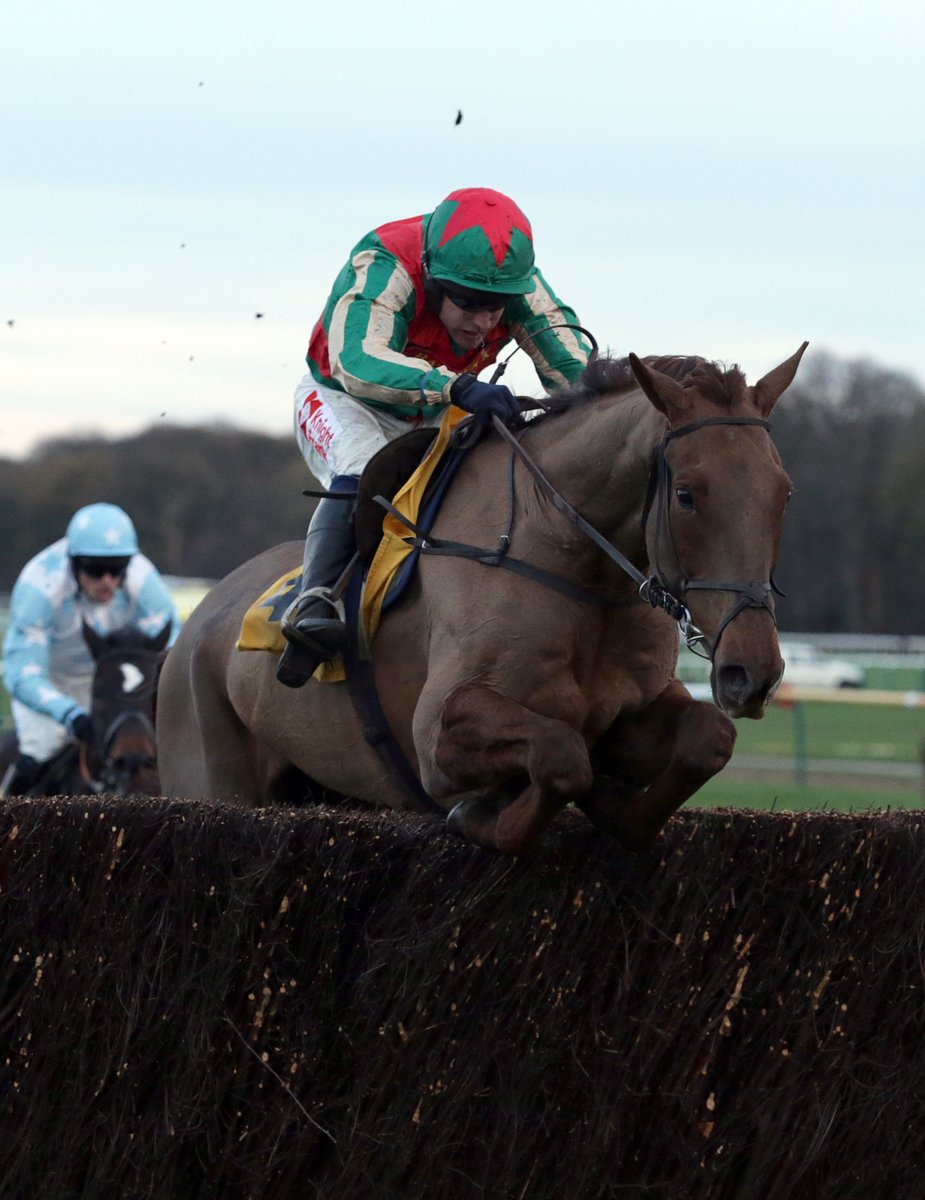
(199, 1001)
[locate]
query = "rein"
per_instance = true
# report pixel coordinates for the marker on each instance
(651, 589)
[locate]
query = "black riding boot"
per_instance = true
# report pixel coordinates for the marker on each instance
(313, 624)
(21, 774)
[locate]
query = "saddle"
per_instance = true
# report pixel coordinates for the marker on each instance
(414, 470)
(385, 473)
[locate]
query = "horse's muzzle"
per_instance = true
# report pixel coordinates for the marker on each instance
(743, 691)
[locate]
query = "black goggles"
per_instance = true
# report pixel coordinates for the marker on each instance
(473, 301)
(96, 568)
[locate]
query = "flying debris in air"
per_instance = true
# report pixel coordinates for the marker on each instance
(458, 120)
(257, 316)
(11, 324)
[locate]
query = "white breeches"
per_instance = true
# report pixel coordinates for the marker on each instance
(338, 435)
(39, 736)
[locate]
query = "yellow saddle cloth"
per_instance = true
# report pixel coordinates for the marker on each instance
(260, 629)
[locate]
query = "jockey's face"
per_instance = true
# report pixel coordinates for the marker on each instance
(468, 327)
(100, 591)
(98, 578)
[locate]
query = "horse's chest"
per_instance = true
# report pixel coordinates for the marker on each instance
(625, 682)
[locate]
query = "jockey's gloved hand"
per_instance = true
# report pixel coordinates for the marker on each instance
(79, 726)
(476, 397)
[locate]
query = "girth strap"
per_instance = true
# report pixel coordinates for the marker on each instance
(362, 685)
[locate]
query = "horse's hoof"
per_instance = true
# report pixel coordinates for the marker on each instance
(456, 820)
(474, 819)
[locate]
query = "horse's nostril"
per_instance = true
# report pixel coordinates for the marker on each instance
(733, 680)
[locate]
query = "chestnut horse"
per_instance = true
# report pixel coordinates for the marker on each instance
(513, 696)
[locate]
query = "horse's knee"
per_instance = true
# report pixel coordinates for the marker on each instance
(705, 740)
(679, 747)
(485, 737)
(470, 721)
(562, 763)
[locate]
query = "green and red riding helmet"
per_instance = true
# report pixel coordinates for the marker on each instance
(479, 240)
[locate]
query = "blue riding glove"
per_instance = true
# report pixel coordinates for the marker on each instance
(79, 726)
(476, 397)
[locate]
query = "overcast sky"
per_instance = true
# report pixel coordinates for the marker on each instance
(716, 178)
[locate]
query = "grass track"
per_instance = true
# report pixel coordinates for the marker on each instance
(837, 731)
(735, 791)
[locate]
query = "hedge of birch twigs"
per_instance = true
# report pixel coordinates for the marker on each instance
(200, 1001)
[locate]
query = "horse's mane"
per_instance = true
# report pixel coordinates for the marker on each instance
(613, 376)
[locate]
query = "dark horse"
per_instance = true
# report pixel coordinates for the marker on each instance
(121, 758)
(510, 698)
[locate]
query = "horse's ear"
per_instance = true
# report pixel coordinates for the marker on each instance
(159, 641)
(95, 644)
(772, 386)
(665, 393)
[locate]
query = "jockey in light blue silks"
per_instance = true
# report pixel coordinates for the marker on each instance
(422, 305)
(95, 573)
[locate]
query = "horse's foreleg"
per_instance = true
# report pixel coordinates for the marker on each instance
(486, 740)
(648, 764)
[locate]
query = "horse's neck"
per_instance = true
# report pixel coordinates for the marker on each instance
(599, 456)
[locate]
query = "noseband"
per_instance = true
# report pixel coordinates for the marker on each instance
(117, 771)
(751, 593)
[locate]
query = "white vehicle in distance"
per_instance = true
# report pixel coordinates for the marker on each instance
(808, 666)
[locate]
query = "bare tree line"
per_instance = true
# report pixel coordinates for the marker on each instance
(204, 499)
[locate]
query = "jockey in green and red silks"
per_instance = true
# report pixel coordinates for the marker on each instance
(380, 338)
(420, 308)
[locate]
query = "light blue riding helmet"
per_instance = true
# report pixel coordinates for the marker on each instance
(101, 531)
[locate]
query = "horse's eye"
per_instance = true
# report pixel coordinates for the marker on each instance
(685, 498)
